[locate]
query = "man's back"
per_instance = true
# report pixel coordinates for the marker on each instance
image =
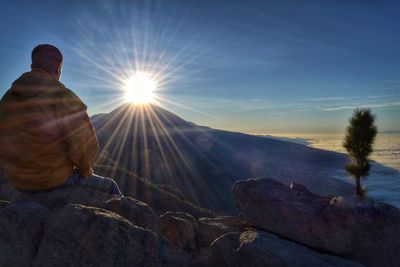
(44, 133)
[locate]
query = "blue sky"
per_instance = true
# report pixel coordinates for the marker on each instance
(250, 66)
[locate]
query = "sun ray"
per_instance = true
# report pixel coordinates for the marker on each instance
(132, 52)
(159, 143)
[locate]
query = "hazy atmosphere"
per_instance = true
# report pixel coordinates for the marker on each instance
(255, 67)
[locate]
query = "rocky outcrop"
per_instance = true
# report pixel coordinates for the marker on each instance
(362, 231)
(180, 229)
(6, 191)
(21, 228)
(76, 235)
(212, 228)
(160, 198)
(135, 211)
(63, 196)
(82, 227)
(259, 249)
(4, 203)
(279, 226)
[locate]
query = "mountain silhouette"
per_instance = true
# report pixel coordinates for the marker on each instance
(148, 114)
(202, 162)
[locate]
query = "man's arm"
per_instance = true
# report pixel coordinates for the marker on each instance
(78, 134)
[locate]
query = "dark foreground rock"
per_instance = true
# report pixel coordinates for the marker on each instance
(6, 191)
(4, 203)
(63, 196)
(82, 227)
(21, 228)
(137, 212)
(180, 229)
(262, 249)
(365, 232)
(76, 235)
(210, 229)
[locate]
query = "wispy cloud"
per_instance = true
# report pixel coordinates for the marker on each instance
(392, 82)
(395, 104)
(302, 109)
(380, 96)
(276, 113)
(324, 99)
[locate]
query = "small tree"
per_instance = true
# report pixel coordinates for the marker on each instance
(358, 142)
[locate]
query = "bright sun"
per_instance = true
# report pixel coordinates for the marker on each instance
(139, 89)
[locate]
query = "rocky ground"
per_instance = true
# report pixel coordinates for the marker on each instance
(279, 225)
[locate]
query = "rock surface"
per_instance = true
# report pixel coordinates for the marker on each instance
(6, 191)
(82, 227)
(4, 203)
(212, 228)
(63, 196)
(260, 249)
(364, 232)
(77, 235)
(135, 211)
(21, 228)
(172, 256)
(180, 229)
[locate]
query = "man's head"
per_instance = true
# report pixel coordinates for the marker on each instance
(48, 58)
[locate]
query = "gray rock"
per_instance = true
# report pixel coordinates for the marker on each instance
(6, 191)
(4, 203)
(212, 228)
(21, 228)
(77, 235)
(180, 229)
(3, 179)
(61, 197)
(223, 250)
(362, 231)
(257, 248)
(135, 211)
(172, 256)
(201, 257)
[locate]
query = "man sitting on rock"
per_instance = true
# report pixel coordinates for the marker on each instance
(47, 140)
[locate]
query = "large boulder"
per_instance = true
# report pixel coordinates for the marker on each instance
(262, 249)
(172, 256)
(180, 229)
(63, 196)
(6, 190)
(4, 203)
(137, 212)
(21, 229)
(363, 231)
(212, 228)
(77, 235)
